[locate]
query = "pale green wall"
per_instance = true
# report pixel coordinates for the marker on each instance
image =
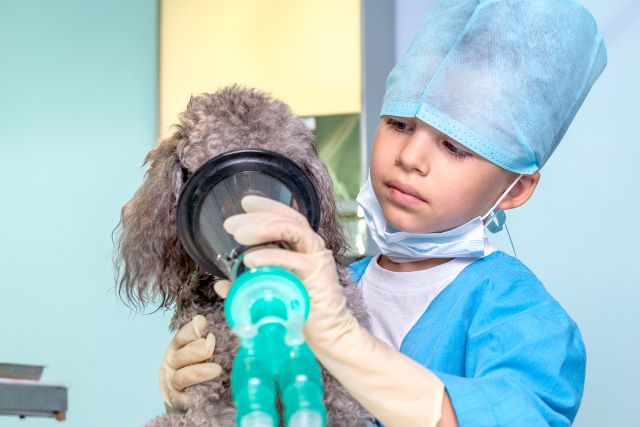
(77, 114)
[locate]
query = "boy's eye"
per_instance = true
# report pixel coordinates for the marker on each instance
(398, 125)
(455, 151)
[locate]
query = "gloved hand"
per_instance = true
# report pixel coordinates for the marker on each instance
(182, 363)
(394, 388)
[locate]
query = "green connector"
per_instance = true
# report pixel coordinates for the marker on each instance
(267, 308)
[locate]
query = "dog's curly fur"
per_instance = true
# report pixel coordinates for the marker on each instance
(151, 262)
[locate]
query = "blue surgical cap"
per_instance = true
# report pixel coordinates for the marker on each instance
(504, 78)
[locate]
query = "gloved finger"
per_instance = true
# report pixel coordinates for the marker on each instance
(252, 204)
(196, 351)
(195, 374)
(197, 328)
(180, 401)
(222, 287)
(232, 223)
(257, 228)
(302, 265)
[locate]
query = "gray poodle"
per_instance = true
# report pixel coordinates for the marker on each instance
(152, 265)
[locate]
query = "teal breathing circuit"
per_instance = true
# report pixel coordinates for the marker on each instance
(267, 308)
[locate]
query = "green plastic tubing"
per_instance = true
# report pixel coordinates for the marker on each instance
(267, 307)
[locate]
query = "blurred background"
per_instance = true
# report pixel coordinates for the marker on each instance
(86, 88)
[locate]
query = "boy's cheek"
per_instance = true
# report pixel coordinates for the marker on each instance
(381, 160)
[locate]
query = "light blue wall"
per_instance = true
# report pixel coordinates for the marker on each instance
(77, 114)
(579, 232)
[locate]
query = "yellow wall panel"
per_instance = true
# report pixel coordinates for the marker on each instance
(305, 52)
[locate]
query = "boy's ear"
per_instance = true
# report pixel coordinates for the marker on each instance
(521, 192)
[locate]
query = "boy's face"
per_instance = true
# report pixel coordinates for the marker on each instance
(427, 182)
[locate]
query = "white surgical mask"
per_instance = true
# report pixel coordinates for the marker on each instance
(466, 240)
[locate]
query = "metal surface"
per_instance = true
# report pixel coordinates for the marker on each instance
(32, 398)
(24, 372)
(22, 394)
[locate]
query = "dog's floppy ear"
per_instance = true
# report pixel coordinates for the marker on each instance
(330, 229)
(149, 260)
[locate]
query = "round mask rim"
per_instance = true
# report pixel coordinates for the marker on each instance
(223, 165)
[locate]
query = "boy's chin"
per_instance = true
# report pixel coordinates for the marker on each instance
(407, 224)
(411, 224)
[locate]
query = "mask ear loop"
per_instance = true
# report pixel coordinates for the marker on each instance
(497, 218)
(515, 254)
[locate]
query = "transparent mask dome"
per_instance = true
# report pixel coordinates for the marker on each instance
(215, 191)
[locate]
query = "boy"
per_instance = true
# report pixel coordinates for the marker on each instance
(462, 334)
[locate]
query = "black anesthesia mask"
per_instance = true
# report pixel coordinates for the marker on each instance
(214, 191)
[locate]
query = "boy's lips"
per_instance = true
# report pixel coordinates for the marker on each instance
(404, 194)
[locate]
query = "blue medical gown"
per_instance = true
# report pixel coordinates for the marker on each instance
(506, 351)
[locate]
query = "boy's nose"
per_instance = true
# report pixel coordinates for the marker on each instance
(414, 155)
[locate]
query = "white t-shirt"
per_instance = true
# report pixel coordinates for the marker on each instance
(396, 301)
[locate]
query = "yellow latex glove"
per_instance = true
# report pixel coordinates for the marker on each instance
(183, 363)
(394, 388)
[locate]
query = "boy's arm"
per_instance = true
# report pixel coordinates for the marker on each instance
(525, 368)
(448, 416)
(394, 388)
